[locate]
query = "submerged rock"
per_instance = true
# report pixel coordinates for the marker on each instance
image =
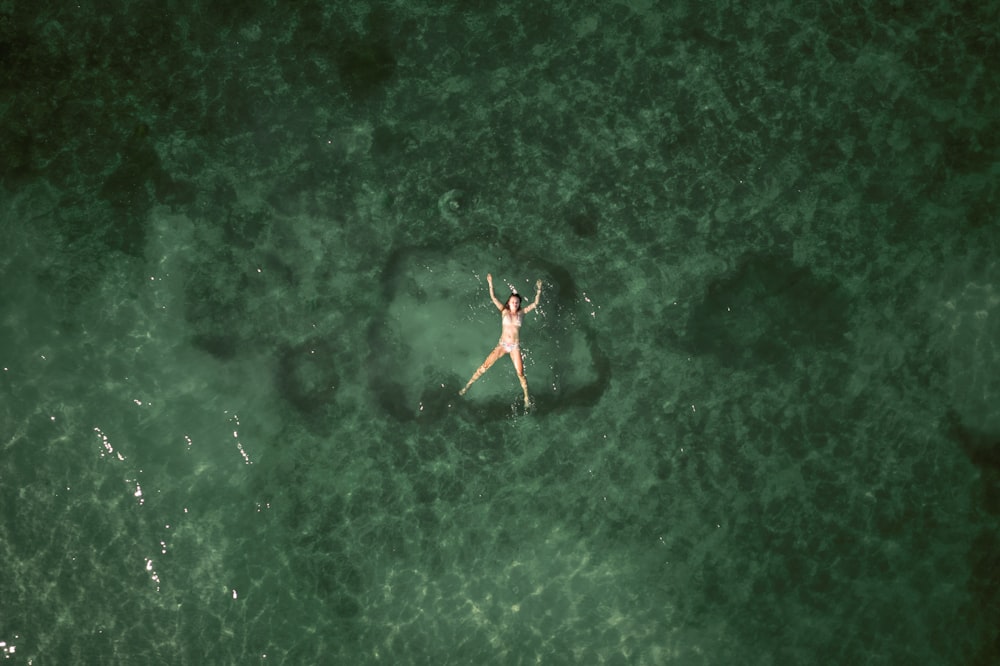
(453, 205)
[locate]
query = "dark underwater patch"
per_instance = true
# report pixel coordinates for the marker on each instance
(366, 61)
(764, 311)
(306, 378)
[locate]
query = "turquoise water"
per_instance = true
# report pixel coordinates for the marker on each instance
(243, 277)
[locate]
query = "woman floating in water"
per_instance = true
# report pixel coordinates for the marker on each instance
(509, 343)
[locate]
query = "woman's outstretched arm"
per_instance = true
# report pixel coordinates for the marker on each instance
(538, 295)
(493, 297)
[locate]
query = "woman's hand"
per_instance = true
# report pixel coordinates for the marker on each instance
(489, 279)
(538, 285)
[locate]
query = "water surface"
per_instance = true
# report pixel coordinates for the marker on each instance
(243, 265)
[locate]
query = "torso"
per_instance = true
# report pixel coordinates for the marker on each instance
(511, 323)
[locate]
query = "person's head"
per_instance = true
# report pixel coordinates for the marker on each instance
(514, 301)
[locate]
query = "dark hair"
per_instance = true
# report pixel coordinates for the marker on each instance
(516, 295)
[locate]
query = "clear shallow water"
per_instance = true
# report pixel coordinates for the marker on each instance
(243, 277)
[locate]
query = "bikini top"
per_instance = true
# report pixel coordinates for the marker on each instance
(507, 319)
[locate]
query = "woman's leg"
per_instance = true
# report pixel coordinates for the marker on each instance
(490, 360)
(515, 356)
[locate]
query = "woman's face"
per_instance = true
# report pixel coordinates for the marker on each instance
(513, 302)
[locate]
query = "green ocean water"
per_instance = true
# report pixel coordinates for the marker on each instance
(243, 250)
